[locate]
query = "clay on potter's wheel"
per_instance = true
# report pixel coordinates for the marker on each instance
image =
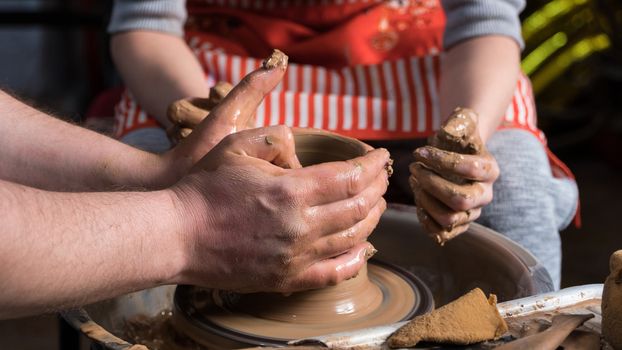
(377, 296)
(612, 302)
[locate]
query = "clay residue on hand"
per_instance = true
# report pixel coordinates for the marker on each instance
(612, 302)
(457, 136)
(218, 92)
(187, 113)
(389, 167)
(276, 60)
(459, 133)
(469, 319)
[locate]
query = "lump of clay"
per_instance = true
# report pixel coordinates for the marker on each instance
(612, 302)
(469, 319)
(459, 133)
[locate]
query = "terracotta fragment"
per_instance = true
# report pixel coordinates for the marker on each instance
(469, 319)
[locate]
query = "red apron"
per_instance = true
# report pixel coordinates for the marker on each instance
(368, 69)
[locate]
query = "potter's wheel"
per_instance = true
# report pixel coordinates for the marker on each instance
(379, 295)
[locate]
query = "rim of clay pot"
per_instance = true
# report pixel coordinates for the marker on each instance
(315, 146)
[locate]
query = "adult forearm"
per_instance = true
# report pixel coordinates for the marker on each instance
(158, 68)
(66, 249)
(480, 74)
(44, 152)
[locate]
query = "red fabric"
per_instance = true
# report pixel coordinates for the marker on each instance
(331, 36)
(388, 49)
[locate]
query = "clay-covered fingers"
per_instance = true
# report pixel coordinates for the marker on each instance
(438, 233)
(482, 168)
(189, 112)
(340, 215)
(337, 243)
(459, 197)
(335, 181)
(234, 111)
(329, 272)
(273, 144)
(444, 216)
(176, 133)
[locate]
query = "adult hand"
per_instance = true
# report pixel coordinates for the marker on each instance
(256, 221)
(452, 177)
(231, 114)
(187, 113)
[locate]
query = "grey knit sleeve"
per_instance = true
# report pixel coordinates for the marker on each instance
(166, 16)
(472, 18)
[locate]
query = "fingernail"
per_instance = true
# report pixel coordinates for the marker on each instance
(369, 252)
(276, 60)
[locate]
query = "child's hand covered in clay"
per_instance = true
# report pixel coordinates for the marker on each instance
(452, 177)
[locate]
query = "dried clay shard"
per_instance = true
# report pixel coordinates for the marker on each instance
(276, 60)
(459, 133)
(469, 319)
(612, 302)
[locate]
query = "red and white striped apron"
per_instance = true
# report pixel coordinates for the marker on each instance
(368, 69)
(380, 81)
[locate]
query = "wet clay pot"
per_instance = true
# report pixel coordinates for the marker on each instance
(379, 294)
(478, 258)
(315, 146)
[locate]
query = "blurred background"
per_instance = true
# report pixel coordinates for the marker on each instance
(54, 54)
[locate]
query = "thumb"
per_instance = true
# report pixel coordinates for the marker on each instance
(235, 110)
(273, 144)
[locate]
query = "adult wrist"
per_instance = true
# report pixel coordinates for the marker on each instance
(193, 216)
(173, 239)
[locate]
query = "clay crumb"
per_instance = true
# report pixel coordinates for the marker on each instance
(370, 252)
(276, 60)
(389, 167)
(269, 140)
